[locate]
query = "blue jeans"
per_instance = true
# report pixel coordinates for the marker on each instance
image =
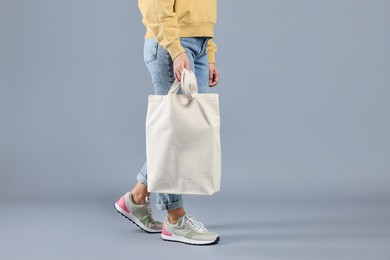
(160, 66)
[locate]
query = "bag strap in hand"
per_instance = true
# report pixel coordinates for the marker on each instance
(188, 84)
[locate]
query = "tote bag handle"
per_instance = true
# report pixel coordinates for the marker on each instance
(188, 84)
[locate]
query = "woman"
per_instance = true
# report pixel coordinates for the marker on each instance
(179, 34)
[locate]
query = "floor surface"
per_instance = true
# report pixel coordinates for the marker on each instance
(279, 229)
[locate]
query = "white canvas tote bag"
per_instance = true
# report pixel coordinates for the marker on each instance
(183, 147)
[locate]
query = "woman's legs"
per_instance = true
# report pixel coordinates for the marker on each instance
(177, 226)
(160, 67)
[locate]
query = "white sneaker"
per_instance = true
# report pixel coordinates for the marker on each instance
(189, 231)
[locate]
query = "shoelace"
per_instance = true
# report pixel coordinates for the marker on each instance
(149, 209)
(192, 223)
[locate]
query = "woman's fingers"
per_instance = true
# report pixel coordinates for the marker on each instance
(213, 74)
(177, 75)
(179, 63)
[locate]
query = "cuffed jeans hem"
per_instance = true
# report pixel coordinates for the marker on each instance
(170, 205)
(142, 179)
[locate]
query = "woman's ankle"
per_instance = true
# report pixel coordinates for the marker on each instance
(139, 193)
(175, 214)
(138, 199)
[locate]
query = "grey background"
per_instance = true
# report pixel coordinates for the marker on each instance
(304, 99)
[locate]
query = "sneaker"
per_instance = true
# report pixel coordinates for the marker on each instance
(141, 215)
(189, 231)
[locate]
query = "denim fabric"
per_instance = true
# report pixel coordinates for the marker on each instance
(160, 66)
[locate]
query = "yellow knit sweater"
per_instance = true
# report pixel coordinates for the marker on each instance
(168, 20)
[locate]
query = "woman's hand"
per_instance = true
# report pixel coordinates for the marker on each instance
(179, 62)
(213, 74)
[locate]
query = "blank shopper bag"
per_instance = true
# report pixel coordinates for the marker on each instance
(183, 147)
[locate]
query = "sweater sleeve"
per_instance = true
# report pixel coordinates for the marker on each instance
(160, 18)
(211, 49)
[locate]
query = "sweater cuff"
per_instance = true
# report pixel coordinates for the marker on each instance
(211, 56)
(175, 49)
